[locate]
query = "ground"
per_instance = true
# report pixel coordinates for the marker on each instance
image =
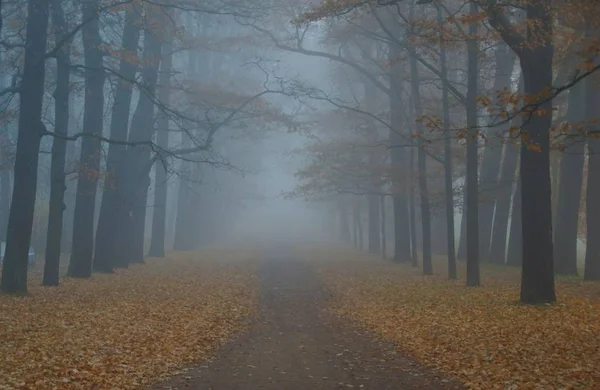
(295, 344)
(123, 330)
(297, 317)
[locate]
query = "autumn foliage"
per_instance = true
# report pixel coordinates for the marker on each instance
(128, 329)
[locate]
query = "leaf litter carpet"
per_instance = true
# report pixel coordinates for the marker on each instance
(293, 344)
(480, 336)
(126, 329)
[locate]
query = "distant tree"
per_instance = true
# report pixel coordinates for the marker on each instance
(472, 191)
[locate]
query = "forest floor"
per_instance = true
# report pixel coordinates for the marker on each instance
(481, 337)
(294, 343)
(127, 329)
(301, 317)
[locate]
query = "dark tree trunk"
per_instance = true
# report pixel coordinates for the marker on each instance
(537, 277)
(107, 241)
(71, 185)
(59, 151)
(20, 221)
(159, 217)
(497, 253)
(398, 158)
(383, 238)
(135, 177)
(89, 163)
(569, 189)
(374, 234)
(448, 181)
(472, 138)
(592, 205)
(490, 164)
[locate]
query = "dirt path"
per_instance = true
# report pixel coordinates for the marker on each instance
(294, 345)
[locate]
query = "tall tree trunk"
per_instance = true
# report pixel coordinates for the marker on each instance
(111, 207)
(490, 164)
(472, 141)
(20, 221)
(135, 177)
(360, 228)
(421, 164)
(344, 223)
(383, 232)
(422, 169)
(569, 189)
(355, 218)
(398, 158)
(497, 253)
(414, 257)
(183, 240)
(439, 233)
(515, 241)
(537, 277)
(462, 243)
(59, 151)
(5, 189)
(187, 210)
(592, 205)
(448, 181)
(555, 162)
(159, 217)
(89, 163)
(374, 234)
(69, 196)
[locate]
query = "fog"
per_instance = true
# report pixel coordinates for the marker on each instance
(177, 127)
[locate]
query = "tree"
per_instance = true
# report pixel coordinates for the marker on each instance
(157, 242)
(59, 149)
(105, 249)
(14, 273)
(592, 254)
(535, 52)
(472, 184)
(422, 169)
(135, 179)
(89, 163)
(448, 179)
(497, 253)
(492, 155)
(569, 190)
(398, 160)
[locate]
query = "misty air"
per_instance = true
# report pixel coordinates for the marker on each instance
(299, 194)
